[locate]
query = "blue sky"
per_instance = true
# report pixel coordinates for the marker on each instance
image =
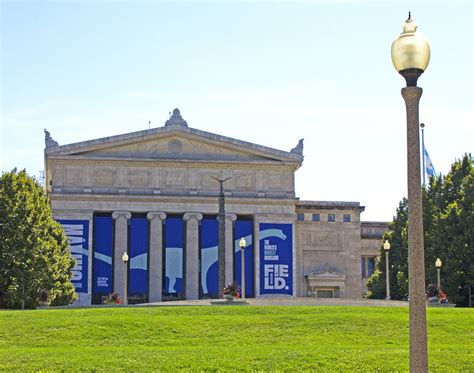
(267, 72)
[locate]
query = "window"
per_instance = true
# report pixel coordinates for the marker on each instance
(300, 217)
(325, 293)
(316, 217)
(331, 217)
(346, 218)
(370, 266)
(367, 266)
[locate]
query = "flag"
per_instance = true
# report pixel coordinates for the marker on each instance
(430, 171)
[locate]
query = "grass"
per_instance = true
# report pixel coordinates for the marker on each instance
(230, 338)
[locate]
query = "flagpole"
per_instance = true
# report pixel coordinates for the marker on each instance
(422, 125)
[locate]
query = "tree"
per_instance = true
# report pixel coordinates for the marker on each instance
(34, 253)
(448, 224)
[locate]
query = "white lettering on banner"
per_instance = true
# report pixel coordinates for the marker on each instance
(75, 234)
(102, 281)
(270, 251)
(275, 276)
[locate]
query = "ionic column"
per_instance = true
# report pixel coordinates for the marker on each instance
(121, 246)
(155, 263)
(256, 242)
(229, 247)
(192, 254)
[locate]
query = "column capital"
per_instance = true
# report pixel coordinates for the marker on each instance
(192, 215)
(230, 216)
(156, 214)
(121, 214)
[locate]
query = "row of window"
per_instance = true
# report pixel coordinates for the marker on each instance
(346, 218)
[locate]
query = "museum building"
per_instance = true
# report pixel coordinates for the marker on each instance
(153, 194)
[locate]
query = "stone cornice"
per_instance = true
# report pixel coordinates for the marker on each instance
(181, 163)
(166, 131)
(169, 199)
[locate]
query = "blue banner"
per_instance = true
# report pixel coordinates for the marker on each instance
(244, 229)
(209, 240)
(77, 232)
(174, 255)
(138, 280)
(276, 258)
(103, 253)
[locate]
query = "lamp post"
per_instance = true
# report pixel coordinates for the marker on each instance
(221, 237)
(438, 265)
(410, 56)
(125, 261)
(386, 247)
(242, 244)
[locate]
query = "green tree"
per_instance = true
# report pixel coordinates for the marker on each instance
(34, 253)
(448, 224)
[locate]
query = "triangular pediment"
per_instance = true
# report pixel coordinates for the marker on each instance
(174, 142)
(174, 146)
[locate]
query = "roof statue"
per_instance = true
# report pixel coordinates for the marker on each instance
(298, 149)
(176, 119)
(48, 140)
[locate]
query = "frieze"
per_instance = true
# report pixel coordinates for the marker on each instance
(105, 177)
(139, 177)
(73, 176)
(175, 164)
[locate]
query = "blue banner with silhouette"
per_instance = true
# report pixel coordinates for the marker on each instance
(208, 243)
(244, 229)
(77, 232)
(174, 256)
(138, 280)
(276, 258)
(103, 254)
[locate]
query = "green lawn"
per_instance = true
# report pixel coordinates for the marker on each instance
(211, 338)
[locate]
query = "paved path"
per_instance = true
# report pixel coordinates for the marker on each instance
(288, 302)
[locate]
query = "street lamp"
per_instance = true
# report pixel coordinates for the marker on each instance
(125, 261)
(410, 56)
(386, 247)
(438, 265)
(242, 244)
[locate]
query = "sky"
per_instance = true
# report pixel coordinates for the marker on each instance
(268, 72)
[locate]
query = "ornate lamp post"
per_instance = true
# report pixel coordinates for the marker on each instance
(242, 244)
(410, 56)
(221, 237)
(438, 265)
(125, 261)
(386, 247)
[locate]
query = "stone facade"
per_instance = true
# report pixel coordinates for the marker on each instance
(148, 178)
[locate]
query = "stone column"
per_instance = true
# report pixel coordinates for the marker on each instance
(256, 242)
(229, 247)
(121, 246)
(192, 254)
(155, 263)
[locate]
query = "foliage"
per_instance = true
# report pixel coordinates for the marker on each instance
(113, 298)
(44, 296)
(448, 223)
(232, 289)
(229, 338)
(34, 253)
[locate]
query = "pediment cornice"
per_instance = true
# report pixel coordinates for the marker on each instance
(178, 131)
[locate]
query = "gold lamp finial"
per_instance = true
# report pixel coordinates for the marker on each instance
(410, 52)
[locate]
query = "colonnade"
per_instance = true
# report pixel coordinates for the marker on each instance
(156, 245)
